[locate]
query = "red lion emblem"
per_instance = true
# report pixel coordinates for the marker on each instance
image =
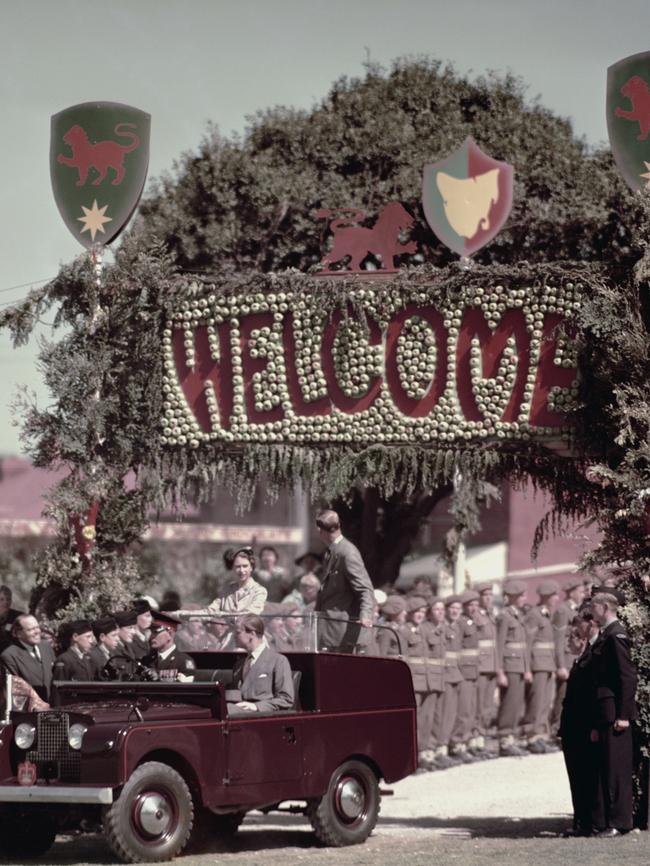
(636, 90)
(357, 242)
(100, 156)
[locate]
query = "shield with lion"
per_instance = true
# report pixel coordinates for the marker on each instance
(628, 117)
(467, 197)
(99, 154)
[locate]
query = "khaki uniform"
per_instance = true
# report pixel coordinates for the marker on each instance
(388, 640)
(512, 658)
(447, 709)
(416, 654)
(542, 664)
(436, 665)
(466, 726)
(487, 669)
(561, 620)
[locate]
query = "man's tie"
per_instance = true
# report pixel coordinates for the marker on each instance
(36, 654)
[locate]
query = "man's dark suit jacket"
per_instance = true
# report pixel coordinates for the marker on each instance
(614, 676)
(346, 593)
(68, 666)
(269, 683)
(19, 661)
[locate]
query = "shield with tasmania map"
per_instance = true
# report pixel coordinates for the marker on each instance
(99, 153)
(467, 197)
(628, 117)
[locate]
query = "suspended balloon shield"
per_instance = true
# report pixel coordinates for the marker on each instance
(99, 153)
(628, 117)
(467, 197)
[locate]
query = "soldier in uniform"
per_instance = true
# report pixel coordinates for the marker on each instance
(562, 618)
(107, 637)
(486, 628)
(513, 671)
(388, 637)
(416, 650)
(127, 622)
(448, 708)
(465, 731)
(166, 658)
(75, 663)
(437, 643)
(614, 679)
(539, 694)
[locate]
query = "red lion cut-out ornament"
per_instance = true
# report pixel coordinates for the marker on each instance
(358, 242)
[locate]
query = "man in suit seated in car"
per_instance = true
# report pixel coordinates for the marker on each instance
(262, 676)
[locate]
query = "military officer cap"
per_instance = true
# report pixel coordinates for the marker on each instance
(126, 617)
(164, 622)
(415, 602)
(105, 625)
(394, 605)
(548, 587)
(468, 596)
(609, 590)
(453, 599)
(514, 587)
(485, 586)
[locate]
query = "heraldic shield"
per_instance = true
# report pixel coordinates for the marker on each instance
(99, 154)
(628, 117)
(467, 197)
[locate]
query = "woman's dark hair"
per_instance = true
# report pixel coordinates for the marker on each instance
(242, 551)
(272, 549)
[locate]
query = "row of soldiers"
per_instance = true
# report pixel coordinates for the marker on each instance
(470, 665)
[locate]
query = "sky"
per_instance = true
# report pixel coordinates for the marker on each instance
(188, 62)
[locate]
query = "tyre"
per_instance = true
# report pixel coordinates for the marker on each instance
(347, 813)
(26, 833)
(152, 818)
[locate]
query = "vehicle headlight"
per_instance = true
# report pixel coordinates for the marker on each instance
(24, 735)
(76, 735)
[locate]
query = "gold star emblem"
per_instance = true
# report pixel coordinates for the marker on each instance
(94, 219)
(647, 174)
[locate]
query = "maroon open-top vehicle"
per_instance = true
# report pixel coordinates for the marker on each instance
(158, 762)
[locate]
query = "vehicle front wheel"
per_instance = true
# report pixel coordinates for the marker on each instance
(152, 818)
(347, 813)
(26, 833)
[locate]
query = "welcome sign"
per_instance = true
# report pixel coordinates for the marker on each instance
(289, 364)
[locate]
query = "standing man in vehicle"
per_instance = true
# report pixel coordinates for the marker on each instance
(346, 592)
(29, 657)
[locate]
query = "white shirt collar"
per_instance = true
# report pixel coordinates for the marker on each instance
(257, 652)
(164, 654)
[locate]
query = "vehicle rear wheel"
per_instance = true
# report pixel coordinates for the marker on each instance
(347, 813)
(26, 833)
(152, 818)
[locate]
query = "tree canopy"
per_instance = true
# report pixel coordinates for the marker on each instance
(249, 202)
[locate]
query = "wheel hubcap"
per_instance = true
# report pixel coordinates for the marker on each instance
(154, 815)
(351, 799)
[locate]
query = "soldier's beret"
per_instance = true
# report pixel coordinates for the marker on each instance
(126, 617)
(453, 599)
(164, 622)
(142, 605)
(78, 626)
(105, 625)
(548, 587)
(485, 586)
(469, 595)
(394, 605)
(415, 602)
(574, 583)
(514, 587)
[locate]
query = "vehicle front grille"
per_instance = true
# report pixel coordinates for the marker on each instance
(52, 754)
